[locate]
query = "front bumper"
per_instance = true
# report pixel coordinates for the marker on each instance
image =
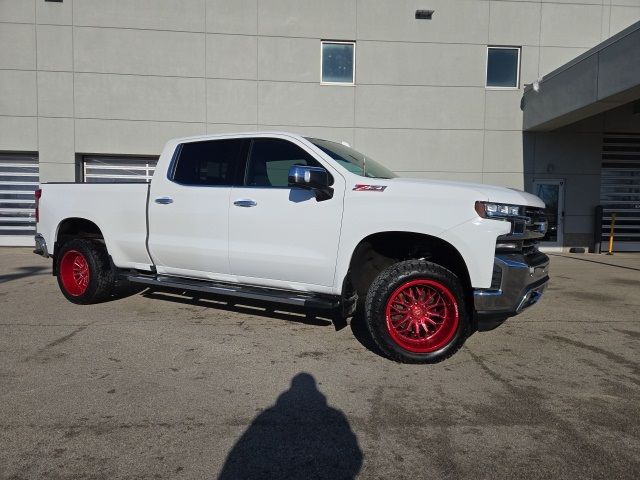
(519, 282)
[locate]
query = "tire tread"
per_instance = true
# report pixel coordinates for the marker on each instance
(102, 280)
(376, 299)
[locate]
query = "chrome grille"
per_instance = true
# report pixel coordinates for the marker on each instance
(536, 222)
(526, 232)
(530, 247)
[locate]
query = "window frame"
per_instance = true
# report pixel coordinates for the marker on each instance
(237, 177)
(353, 73)
(247, 164)
(518, 67)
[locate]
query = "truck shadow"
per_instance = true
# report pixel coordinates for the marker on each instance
(362, 335)
(270, 310)
(250, 307)
(23, 272)
(300, 437)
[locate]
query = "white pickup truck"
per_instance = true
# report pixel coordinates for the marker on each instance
(283, 218)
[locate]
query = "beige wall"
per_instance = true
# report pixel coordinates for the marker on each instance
(122, 76)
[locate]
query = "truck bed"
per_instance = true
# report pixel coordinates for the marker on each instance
(118, 209)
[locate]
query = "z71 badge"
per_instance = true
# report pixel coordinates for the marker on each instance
(369, 188)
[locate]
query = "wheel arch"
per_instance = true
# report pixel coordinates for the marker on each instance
(78, 227)
(74, 227)
(378, 250)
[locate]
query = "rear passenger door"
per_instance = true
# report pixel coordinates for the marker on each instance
(281, 236)
(189, 208)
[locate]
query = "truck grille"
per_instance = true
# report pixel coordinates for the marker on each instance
(525, 234)
(536, 227)
(536, 222)
(529, 247)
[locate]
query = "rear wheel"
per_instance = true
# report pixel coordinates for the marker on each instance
(85, 274)
(415, 312)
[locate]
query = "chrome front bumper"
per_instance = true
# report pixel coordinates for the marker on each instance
(519, 282)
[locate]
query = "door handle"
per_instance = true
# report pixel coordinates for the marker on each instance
(245, 202)
(164, 200)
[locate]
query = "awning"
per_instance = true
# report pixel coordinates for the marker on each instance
(600, 79)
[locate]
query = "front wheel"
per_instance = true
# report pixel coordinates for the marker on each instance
(415, 312)
(85, 274)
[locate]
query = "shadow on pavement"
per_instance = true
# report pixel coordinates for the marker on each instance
(23, 272)
(362, 335)
(300, 437)
(270, 310)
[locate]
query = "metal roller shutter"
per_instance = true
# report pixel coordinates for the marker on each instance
(102, 168)
(19, 178)
(620, 191)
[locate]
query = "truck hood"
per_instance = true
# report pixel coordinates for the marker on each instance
(489, 193)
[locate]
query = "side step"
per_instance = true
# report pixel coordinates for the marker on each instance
(289, 297)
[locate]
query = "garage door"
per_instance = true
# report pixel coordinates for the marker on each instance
(620, 191)
(102, 168)
(19, 178)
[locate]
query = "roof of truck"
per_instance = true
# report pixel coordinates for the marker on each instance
(213, 136)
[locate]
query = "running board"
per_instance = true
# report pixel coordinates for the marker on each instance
(300, 299)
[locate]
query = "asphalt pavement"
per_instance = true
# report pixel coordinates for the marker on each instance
(158, 385)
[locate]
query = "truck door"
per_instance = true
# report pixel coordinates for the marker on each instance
(281, 236)
(189, 208)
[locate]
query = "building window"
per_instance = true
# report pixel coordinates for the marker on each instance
(337, 63)
(111, 168)
(503, 67)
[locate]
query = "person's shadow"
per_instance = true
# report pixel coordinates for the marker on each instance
(300, 437)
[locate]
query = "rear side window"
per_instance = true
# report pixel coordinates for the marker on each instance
(211, 163)
(271, 159)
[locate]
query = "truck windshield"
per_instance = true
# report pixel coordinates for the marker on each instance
(353, 160)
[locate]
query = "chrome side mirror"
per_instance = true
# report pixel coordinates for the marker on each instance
(312, 178)
(308, 177)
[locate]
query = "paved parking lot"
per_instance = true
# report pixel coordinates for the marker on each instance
(166, 387)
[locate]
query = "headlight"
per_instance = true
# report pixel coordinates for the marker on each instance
(498, 210)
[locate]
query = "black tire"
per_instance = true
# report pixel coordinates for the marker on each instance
(84, 272)
(425, 275)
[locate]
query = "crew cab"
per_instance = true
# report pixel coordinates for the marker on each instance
(279, 217)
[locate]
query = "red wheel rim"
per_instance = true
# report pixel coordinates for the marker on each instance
(74, 273)
(422, 316)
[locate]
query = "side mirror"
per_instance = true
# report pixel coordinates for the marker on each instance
(308, 177)
(312, 178)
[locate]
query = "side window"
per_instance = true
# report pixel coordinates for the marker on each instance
(211, 163)
(271, 159)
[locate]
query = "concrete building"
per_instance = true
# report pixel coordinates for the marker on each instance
(582, 126)
(91, 89)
